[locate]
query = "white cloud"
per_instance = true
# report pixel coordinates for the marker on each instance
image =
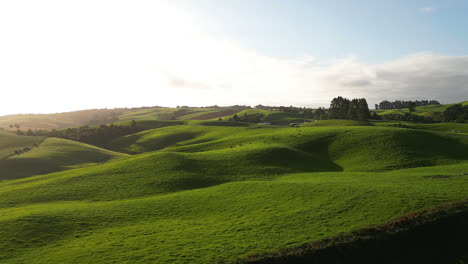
(417, 76)
(427, 9)
(58, 56)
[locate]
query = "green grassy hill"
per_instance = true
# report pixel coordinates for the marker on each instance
(220, 223)
(217, 155)
(182, 113)
(61, 120)
(336, 122)
(273, 117)
(148, 114)
(53, 154)
(213, 191)
(452, 128)
(363, 148)
(427, 110)
(9, 143)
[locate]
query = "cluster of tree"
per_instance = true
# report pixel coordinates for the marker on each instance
(318, 114)
(98, 136)
(343, 108)
(21, 151)
(250, 118)
(287, 109)
(385, 105)
(406, 117)
(456, 113)
(298, 111)
(216, 106)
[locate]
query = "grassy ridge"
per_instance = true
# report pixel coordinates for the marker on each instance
(10, 142)
(183, 113)
(274, 117)
(336, 122)
(435, 127)
(52, 155)
(434, 235)
(228, 154)
(427, 110)
(209, 191)
(363, 148)
(224, 222)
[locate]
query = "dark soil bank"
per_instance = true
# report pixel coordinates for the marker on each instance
(438, 235)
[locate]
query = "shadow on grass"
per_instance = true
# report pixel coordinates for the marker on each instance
(436, 235)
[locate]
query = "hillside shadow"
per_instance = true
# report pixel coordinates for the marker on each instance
(319, 148)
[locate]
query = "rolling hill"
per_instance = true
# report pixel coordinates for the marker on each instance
(208, 191)
(9, 143)
(50, 155)
(428, 110)
(219, 223)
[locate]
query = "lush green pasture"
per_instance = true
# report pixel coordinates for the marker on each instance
(427, 110)
(151, 124)
(223, 222)
(189, 113)
(33, 122)
(197, 132)
(436, 127)
(9, 143)
(273, 117)
(52, 155)
(211, 191)
(442, 127)
(216, 155)
(336, 122)
(156, 113)
(357, 148)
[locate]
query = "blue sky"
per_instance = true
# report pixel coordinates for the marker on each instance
(374, 30)
(68, 55)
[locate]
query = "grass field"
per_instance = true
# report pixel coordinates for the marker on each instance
(208, 191)
(427, 110)
(452, 128)
(9, 143)
(223, 222)
(52, 155)
(184, 113)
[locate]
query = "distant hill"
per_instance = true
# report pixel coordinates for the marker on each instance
(211, 191)
(61, 120)
(428, 110)
(107, 116)
(49, 155)
(9, 143)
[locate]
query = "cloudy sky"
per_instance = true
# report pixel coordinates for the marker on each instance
(68, 55)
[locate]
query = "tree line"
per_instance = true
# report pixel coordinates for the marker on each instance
(455, 113)
(98, 136)
(343, 108)
(398, 104)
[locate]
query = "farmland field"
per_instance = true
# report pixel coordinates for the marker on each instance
(213, 191)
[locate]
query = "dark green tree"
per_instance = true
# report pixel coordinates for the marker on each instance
(353, 109)
(454, 113)
(412, 107)
(339, 108)
(363, 113)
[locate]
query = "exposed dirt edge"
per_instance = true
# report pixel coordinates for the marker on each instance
(435, 235)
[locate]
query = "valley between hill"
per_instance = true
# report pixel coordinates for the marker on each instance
(218, 191)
